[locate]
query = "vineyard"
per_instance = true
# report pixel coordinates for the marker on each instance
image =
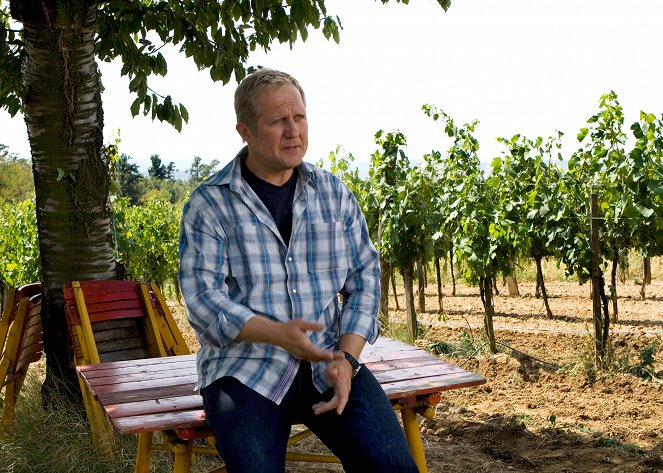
(533, 205)
(488, 268)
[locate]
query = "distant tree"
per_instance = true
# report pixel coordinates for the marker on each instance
(160, 171)
(199, 171)
(173, 191)
(16, 182)
(128, 179)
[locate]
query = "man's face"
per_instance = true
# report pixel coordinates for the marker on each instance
(279, 140)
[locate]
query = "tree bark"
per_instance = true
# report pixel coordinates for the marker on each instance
(385, 277)
(64, 119)
(512, 285)
(613, 289)
(438, 273)
(512, 282)
(393, 288)
(421, 282)
(489, 310)
(646, 265)
(599, 299)
(408, 281)
(451, 270)
(646, 275)
(540, 283)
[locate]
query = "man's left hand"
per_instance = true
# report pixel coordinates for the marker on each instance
(339, 373)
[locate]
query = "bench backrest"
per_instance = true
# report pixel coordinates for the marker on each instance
(13, 297)
(24, 345)
(31, 344)
(119, 320)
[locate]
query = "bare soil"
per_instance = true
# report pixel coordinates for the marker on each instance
(543, 409)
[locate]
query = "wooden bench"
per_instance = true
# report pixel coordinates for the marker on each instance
(117, 320)
(21, 343)
(148, 395)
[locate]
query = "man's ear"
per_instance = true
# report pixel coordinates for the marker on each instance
(243, 131)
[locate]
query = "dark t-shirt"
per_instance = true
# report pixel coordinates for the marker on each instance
(277, 199)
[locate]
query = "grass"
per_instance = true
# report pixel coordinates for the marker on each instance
(618, 446)
(54, 440)
(57, 440)
(467, 346)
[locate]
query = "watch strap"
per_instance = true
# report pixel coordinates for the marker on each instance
(353, 362)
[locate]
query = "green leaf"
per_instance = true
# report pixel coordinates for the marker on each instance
(185, 113)
(135, 106)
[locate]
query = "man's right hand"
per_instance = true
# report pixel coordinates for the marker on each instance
(291, 336)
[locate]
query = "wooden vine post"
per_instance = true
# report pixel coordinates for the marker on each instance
(601, 320)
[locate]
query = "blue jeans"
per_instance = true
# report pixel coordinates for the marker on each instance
(252, 431)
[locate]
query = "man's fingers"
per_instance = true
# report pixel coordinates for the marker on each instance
(322, 407)
(320, 355)
(341, 405)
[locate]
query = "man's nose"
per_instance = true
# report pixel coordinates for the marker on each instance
(291, 128)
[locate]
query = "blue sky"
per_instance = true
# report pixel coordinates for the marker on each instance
(519, 66)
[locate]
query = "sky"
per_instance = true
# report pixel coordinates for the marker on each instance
(518, 66)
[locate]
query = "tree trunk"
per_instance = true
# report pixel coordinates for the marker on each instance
(512, 285)
(438, 273)
(64, 120)
(408, 281)
(494, 284)
(451, 268)
(599, 299)
(385, 276)
(421, 282)
(646, 275)
(393, 288)
(540, 283)
(646, 266)
(511, 281)
(613, 289)
(487, 298)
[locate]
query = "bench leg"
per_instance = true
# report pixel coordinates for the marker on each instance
(183, 456)
(413, 436)
(144, 452)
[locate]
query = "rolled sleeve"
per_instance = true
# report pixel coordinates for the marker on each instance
(215, 317)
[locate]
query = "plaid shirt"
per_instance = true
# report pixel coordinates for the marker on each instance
(234, 265)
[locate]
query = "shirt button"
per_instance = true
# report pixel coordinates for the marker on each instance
(289, 258)
(294, 291)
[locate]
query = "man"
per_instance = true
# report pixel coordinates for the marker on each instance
(267, 244)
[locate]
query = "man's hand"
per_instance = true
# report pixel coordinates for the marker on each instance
(294, 338)
(339, 373)
(291, 336)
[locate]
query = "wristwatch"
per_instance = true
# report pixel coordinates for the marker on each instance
(353, 362)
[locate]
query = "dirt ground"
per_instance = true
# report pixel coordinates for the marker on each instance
(543, 409)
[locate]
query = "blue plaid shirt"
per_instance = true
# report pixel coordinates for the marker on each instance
(234, 265)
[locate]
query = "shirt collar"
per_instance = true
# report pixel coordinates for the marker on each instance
(231, 174)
